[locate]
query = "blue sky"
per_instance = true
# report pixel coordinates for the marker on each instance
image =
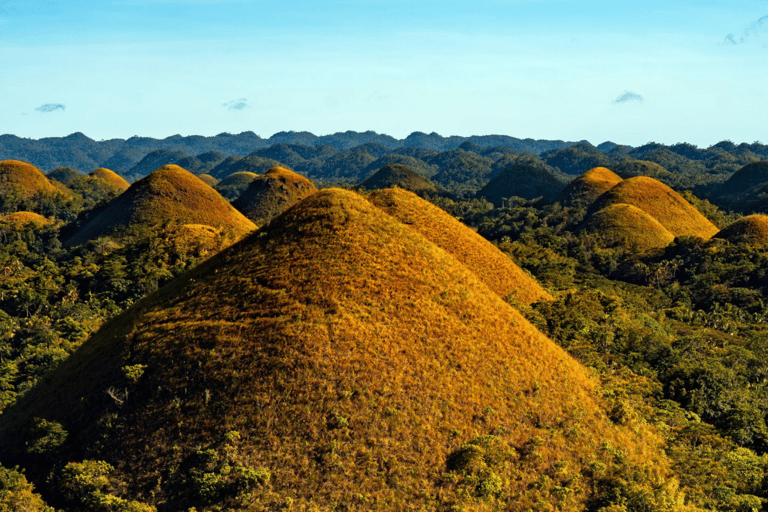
(630, 72)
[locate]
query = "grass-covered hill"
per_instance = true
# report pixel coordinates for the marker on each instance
(233, 185)
(272, 193)
(23, 179)
(110, 177)
(208, 179)
(522, 180)
(586, 188)
(169, 195)
(628, 226)
(335, 359)
(65, 175)
(493, 267)
(662, 203)
(22, 218)
(397, 175)
(752, 230)
(233, 164)
(746, 190)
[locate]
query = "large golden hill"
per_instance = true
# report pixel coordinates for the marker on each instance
(170, 195)
(752, 229)
(492, 266)
(272, 193)
(23, 179)
(110, 177)
(334, 357)
(586, 188)
(629, 226)
(662, 203)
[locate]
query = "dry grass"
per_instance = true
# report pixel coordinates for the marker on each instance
(752, 230)
(208, 179)
(24, 179)
(585, 189)
(110, 177)
(492, 266)
(396, 175)
(238, 178)
(662, 203)
(353, 356)
(272, 193)
(24, 218)
(170, 195)
(629, 226)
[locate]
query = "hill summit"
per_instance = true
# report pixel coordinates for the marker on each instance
(168, 195)
(272, 193)
(522, 180)
(23, 179)
(334, 357)
(752, 230)
(397, 175)
(662, 203)
(492, 266)
(586, 188)
(629, 226)
(110, 177)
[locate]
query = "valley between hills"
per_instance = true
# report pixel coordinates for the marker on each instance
(356, 322)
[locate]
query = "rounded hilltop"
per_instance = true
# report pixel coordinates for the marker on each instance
(208, 180)
(586, 188)
(235, 184)
(110, 177)
(628, 226)
(752, 230)
(64, 175)
(272, 193)
(493, 267)
(23, 179)
(335, 356)
(169, 195)
(397, 175)
(662, 203)
(23, 218)
(522, 180)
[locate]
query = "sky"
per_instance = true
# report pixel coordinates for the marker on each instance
(628, 72)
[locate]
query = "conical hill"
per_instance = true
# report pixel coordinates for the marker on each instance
(522, 180)
(629, 226)
(396, 175)
(23, 179)
(662, 203)
(586, 188)
(110, 177)
(168, 195)
(492, 266)
(235, 184)
(336, 356)
(752, 230)
(272, 193)
(208, 179)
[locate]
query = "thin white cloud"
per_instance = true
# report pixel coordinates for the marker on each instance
(51, 107)
(628, 96)
(239, 104)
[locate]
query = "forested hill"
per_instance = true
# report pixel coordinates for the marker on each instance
(81, 152)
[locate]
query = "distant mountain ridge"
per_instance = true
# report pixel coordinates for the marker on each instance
(81, 152)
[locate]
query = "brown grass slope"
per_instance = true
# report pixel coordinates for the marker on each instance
(208, 179)
(660, 202)
(23, 179)
(110, 177)
(752, 229)
(24, 218)
(396, 175)
(494, 268)
(168, 195)
(272, 193)
(351, 356)
(629, 226)
(586, 188)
